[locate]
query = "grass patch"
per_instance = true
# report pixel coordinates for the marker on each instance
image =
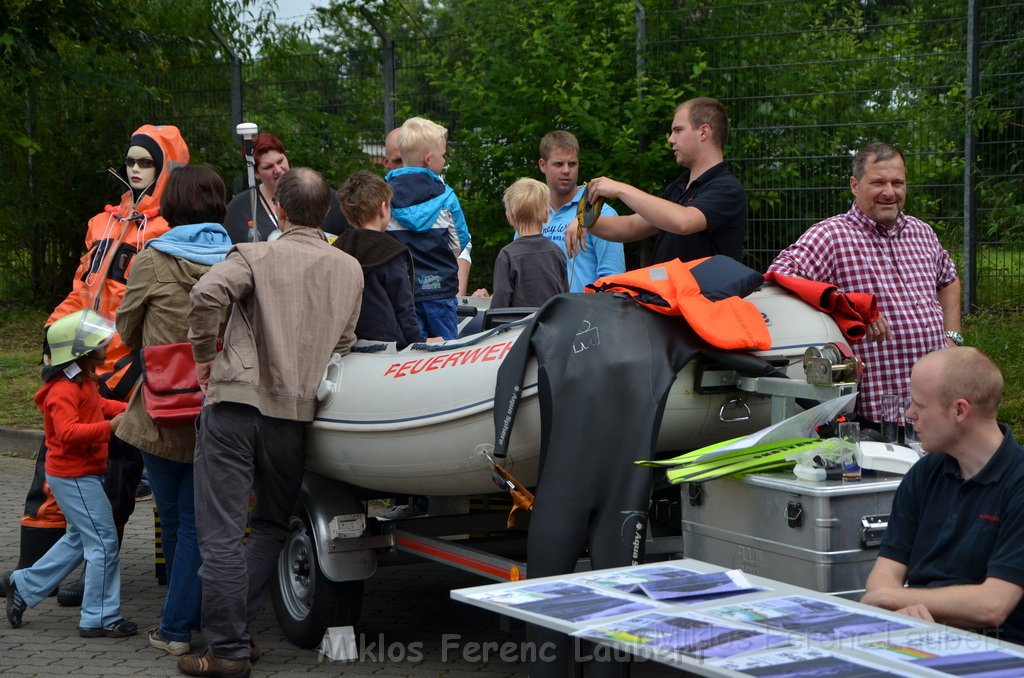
(21, 344)
(1001, 336)
(1000, 283)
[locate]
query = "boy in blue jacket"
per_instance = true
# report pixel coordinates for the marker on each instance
(427, 218)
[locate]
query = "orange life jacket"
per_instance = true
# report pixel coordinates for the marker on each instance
(670, 288)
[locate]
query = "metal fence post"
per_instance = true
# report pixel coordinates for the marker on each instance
(237, 97)
(389, 69)
(641, 60)
(970, 282)
(236, 79)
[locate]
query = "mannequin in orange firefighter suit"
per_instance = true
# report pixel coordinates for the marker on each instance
(113, 238)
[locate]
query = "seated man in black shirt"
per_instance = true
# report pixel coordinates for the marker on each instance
(702, 213)
(956, 532)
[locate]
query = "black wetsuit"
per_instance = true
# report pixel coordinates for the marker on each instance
(605, 366)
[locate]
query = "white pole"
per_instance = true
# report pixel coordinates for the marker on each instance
(248, 130)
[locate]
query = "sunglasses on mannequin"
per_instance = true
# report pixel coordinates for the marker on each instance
(143, 163)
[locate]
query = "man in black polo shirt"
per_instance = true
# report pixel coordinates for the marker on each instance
(956, 531)
(703, 212)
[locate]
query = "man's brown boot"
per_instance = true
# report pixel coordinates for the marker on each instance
(212, 666)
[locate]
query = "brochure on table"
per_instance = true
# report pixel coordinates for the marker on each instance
(696, 616)
(949, 651)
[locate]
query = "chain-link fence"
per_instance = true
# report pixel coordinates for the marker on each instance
(804, 93)
(805, 84)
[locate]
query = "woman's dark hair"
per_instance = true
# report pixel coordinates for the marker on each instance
(263, 142)
(194, 194)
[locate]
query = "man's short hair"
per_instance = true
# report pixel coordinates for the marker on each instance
(305, 196)
(708, 111)
(361, 196)
(969, 373)
(558, 140)
(392, 154)
(526, 203)
(194, 194)
(876, 151)
(419, 136)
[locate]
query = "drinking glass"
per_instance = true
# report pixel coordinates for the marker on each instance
(892, 417)
(849, 433)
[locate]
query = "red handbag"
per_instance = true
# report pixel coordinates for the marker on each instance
(170, 390)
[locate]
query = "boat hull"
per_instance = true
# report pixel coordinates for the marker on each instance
(418, 421)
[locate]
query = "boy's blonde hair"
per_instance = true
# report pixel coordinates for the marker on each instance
(419, 136)
(361, 197)
(526, 203)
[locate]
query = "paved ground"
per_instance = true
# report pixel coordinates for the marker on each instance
(410, 627)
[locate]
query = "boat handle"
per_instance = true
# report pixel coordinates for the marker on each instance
(329, 383)
(738, 404)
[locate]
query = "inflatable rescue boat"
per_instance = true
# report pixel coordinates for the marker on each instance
(419, 420)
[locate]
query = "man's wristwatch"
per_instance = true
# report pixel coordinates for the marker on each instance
(955, 337)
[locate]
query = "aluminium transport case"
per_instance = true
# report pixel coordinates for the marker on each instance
(822, 535)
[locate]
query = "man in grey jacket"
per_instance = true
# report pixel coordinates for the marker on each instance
(294, 303)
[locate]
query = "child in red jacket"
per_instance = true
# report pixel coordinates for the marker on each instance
(78, 423)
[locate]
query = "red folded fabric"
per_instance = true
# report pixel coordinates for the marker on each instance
(852, 311)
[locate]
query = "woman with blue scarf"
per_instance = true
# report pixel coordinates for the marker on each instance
(155, 311)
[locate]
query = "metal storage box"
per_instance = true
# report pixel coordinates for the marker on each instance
(820, 535)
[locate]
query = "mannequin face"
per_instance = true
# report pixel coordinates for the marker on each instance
(140, 177)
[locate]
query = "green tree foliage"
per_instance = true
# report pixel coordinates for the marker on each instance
(77, 78)
(804, 83)
(324, 97)
(515, 73)
(62, 99)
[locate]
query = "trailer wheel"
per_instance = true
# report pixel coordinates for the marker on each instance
(305, 600)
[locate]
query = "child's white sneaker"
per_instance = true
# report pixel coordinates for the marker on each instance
(175, 647)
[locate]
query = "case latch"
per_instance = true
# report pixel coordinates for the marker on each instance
(695, 493)
(872, 529)
(794, 514)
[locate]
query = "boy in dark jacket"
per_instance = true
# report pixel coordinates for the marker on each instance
(529, 270)
(388, 313)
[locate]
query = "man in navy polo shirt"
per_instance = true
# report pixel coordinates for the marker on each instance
(956, 531)
(703, 212)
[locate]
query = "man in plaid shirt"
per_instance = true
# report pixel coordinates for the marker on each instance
(876, 248)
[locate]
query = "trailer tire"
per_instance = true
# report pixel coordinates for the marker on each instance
(306, 602)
